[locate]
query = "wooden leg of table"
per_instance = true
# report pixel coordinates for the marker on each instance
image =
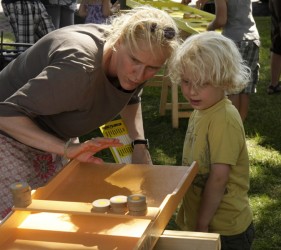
(164, 95)
(175, 105)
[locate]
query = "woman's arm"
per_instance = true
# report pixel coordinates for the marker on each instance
(201, 3)
(106, 6)
(221, 16)
(132, 117)
(82, 11)
(212, 195)
(27, 132)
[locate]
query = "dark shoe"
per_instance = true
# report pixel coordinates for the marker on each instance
(274, 89)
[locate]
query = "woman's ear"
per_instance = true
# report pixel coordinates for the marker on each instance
(117, 44)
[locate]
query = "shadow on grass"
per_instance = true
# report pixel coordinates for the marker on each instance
(264, 119)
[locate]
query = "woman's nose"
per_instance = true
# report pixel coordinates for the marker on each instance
(139, 73)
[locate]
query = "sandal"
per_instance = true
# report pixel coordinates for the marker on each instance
(274, 89)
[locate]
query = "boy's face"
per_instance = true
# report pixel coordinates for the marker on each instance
(203, 97)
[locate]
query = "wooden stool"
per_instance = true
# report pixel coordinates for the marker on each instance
(179, 109)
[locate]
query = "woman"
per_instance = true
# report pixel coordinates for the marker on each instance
(69, 83)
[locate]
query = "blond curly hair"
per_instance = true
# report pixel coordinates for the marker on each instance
(210, 58)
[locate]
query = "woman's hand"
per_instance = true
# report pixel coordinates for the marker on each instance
(84, 152)
(141, 155)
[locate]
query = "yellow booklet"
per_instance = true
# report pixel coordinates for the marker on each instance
(117, 129)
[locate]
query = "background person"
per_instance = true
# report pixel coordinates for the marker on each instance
(95, 11)
(275, 56)
(71, 82)
(28, 19)
(207, 65)
(237, 22)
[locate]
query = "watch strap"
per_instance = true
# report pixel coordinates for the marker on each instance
(141, 141)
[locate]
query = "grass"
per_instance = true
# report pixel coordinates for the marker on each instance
(263, 131)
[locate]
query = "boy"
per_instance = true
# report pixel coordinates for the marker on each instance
(208, 65)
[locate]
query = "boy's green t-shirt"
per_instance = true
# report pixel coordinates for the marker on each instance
(216, 135)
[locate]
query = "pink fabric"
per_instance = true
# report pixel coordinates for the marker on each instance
(19, 162)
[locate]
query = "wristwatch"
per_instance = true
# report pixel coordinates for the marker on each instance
(139, 141)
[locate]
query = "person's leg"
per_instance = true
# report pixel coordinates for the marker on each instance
(244, 101)
(43, 22)
(250, 53)
(67, 17)
(235, 100)
(275, 68)
(241, 102)
(25, 21)
(11, 13)
(54, 12)
(275, 59)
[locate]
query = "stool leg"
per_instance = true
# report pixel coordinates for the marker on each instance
(164, 95)
(175, 105)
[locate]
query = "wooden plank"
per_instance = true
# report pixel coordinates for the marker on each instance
(9, 225)
(54, 183)
(158, 225)
(184, 240)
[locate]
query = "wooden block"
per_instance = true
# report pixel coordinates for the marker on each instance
(185, 240)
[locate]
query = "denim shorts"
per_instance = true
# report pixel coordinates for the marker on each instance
(242, 241)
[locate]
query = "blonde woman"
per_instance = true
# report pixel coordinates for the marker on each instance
(68, 84)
